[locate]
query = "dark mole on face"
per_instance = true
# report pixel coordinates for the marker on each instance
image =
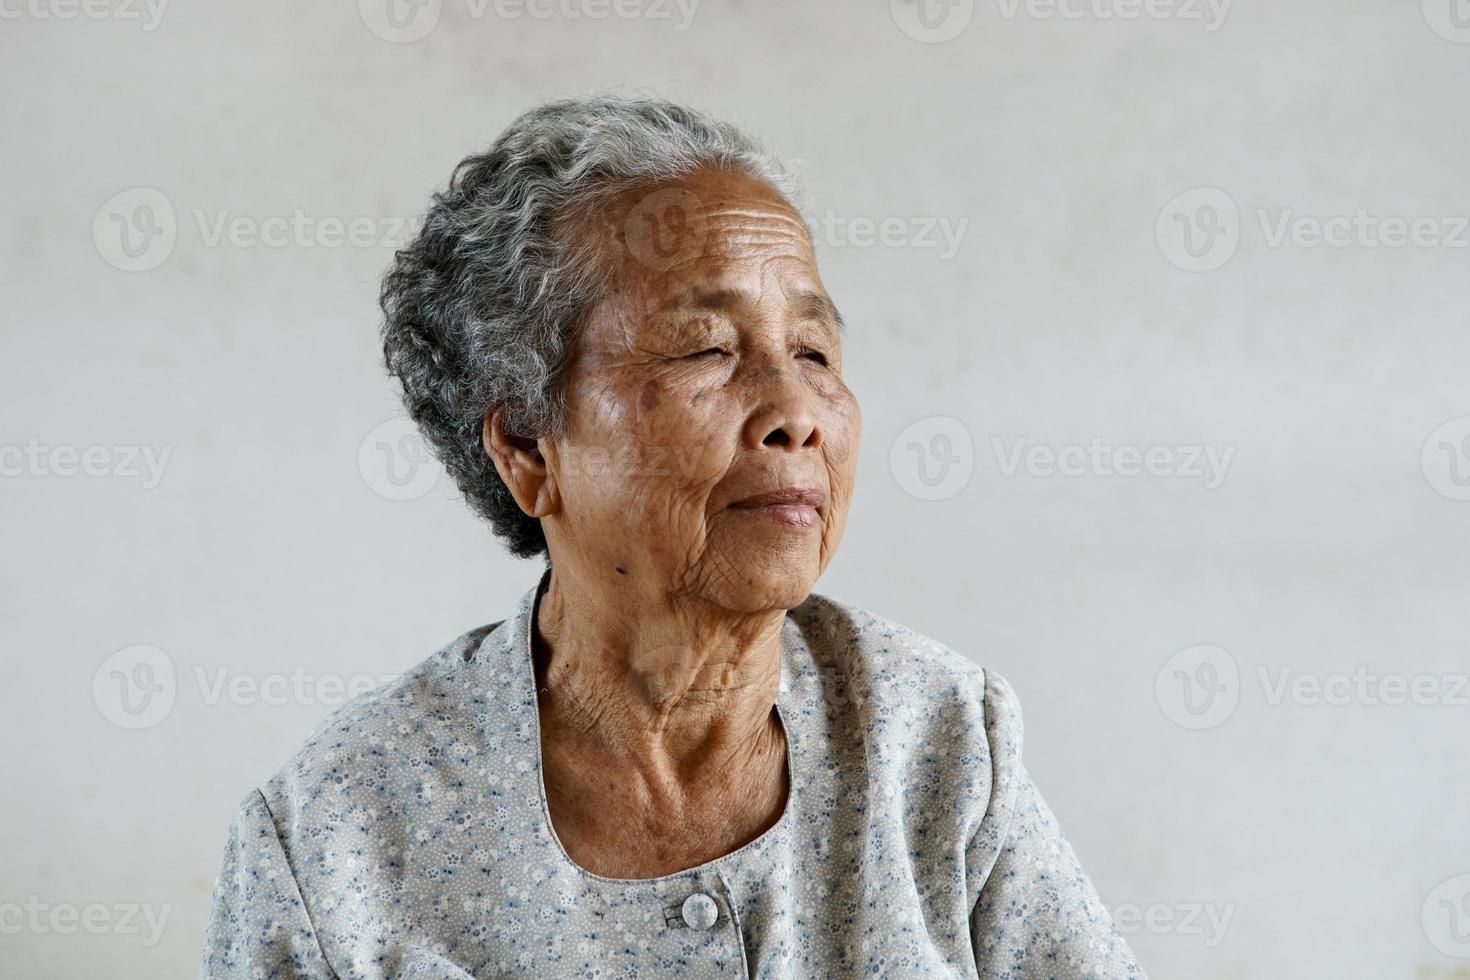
(621, 570)
(652, 394)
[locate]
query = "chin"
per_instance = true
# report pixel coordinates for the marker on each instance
(771, 584)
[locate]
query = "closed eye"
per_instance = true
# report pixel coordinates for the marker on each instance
(815, 355)
(710, 350)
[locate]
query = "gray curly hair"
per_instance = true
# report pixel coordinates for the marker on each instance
(485, 305)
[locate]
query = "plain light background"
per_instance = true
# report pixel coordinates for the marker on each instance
(294, 542)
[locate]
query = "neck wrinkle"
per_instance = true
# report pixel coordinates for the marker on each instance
(673, 692)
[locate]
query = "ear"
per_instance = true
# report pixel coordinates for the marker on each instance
(521, 465)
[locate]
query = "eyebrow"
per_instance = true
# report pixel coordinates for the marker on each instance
(819, 307)
(809, 304)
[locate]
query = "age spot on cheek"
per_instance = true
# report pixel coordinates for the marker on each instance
(651, 397)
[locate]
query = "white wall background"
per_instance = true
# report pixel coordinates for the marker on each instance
(1331, 835)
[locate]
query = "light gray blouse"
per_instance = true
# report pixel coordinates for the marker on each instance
(410, 836)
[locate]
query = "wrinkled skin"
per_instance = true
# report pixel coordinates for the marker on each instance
(710, 371)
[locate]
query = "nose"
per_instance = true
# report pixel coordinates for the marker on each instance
(783, 417)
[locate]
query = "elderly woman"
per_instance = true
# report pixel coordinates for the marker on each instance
(673, 757)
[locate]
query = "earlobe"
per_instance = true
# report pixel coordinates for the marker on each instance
(520, 463)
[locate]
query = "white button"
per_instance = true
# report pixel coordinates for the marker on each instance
(700, 911)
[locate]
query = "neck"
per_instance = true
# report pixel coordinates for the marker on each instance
(660, 681)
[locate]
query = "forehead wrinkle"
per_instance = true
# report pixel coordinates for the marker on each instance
(764, 226)
(760, 212)
(740, 243)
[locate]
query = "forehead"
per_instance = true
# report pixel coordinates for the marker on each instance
(709, 236)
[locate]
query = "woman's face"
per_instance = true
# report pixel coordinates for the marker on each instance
(710, 372)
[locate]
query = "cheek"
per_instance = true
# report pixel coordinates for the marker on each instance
(651, 445)
(686, 425)
(844, 428)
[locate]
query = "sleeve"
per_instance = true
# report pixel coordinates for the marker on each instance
(1037, 914)
(258, 921)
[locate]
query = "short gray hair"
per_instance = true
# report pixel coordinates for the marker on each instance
(485, 305)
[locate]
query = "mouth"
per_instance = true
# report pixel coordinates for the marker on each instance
(792, 506)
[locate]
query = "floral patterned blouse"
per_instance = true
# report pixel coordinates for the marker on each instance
(410, 836)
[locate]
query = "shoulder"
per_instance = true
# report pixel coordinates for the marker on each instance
(403, 716)
(939, 734)
(900, 676)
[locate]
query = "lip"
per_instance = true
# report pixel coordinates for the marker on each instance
(804, 496)
(791, 506)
